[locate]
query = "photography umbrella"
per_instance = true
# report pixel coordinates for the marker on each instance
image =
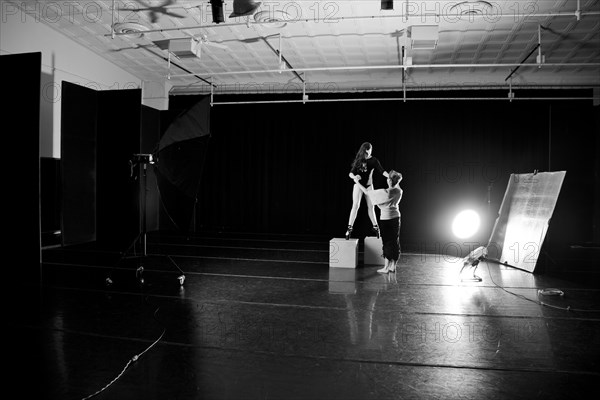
(180, 161)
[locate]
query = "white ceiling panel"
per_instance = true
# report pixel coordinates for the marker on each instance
(347, 45)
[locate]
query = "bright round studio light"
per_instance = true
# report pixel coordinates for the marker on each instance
(465, 224)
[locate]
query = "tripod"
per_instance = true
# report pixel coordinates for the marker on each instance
(142, 160)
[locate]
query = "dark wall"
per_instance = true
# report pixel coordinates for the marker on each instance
(284, 167)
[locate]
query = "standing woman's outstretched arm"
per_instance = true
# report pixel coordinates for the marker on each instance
(380, 169)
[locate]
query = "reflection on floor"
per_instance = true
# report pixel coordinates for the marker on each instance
(264, 317)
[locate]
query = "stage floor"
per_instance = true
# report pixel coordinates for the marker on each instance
(264, 317)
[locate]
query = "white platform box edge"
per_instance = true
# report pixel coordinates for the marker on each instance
(373, 251)
(343, 253)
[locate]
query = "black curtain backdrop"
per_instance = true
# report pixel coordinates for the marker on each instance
(283, 168)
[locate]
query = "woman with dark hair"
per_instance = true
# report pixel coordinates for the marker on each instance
(361, 173)
(387, 200)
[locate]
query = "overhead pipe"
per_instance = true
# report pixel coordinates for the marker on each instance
(418, 88)
(381, 67)
(402, 99)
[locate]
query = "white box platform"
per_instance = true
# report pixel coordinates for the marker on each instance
(343, 253)
(373, 251)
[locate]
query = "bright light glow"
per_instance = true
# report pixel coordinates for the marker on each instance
(465, 224)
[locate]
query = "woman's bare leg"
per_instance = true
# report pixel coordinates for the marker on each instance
(371, 211)
(357, 195)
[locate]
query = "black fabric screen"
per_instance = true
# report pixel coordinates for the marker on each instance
(21, 133)
(78, 161)
(181, 156)
(101, 192)
(22, 275)
(118, 193)
(50, 196)
(150, 127)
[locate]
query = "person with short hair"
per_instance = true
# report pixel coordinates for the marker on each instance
(388, 200)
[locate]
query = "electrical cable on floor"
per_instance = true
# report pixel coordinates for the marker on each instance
(544, 292)
(131, 360)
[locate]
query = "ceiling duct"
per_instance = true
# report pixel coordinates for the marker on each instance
(184, 48)
(424, 37)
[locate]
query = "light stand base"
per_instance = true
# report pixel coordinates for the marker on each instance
(474, 278)
(139, 272)
(143, 160)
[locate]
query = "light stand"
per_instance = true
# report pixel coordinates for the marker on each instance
(142, 160)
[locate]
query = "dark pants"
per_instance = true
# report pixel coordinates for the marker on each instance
(390, 238)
